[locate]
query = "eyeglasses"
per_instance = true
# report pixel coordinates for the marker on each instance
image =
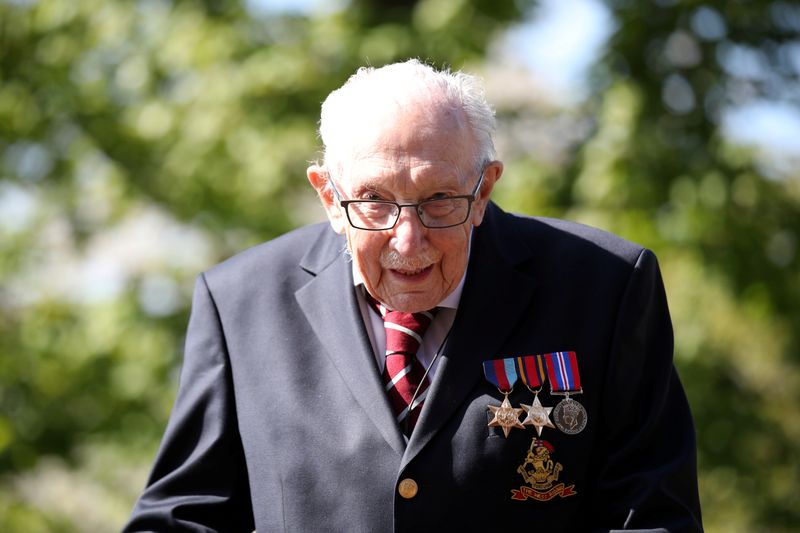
(381, 215)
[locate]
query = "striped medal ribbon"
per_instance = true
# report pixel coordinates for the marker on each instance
(502, 373)
(532, 373)
(562, 369)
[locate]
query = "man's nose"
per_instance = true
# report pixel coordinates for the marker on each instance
(409, 233)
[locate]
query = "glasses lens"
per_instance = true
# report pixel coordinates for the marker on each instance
(444, 212)
(372, 215)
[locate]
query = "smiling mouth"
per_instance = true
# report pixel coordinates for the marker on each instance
(412, 273)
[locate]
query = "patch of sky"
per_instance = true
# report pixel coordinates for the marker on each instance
(558, 43)
(292, 7)
(774, 126)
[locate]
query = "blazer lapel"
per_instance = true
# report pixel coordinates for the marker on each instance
(330, 303)
(480, 327)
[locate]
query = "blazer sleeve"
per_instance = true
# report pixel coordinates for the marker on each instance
(199, 479)
(647, 473)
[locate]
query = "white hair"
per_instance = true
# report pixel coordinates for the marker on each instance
(405, 84)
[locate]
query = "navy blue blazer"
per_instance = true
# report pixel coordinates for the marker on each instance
(281, 422)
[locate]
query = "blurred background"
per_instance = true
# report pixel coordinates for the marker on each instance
(143, 141)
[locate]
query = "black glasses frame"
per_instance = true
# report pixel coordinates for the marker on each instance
(417, 206)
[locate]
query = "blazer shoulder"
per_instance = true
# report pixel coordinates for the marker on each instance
(523, 238)
(273, 259)
(589, 240)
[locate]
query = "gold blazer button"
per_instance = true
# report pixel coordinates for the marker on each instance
(407, 488)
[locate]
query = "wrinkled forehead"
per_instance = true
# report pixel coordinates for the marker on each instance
(404, 176)
(398, 138)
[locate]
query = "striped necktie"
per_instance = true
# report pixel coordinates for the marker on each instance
(403, 374)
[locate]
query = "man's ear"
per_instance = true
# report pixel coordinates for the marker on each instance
(491, 174)
(318, 177)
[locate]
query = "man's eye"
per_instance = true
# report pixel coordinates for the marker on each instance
(439, 208)
(369, 195)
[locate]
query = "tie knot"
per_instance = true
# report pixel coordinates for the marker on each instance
(404, 331)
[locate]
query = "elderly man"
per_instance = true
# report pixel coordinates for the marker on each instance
(425, 361)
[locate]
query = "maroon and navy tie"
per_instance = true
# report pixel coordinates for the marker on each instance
(403, 374)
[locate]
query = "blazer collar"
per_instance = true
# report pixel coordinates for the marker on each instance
(329, 302)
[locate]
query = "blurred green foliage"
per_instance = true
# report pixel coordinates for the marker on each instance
(143, 141)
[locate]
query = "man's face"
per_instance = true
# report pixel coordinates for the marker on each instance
(410, 157)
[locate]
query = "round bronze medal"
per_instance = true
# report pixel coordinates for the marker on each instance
(569, 416)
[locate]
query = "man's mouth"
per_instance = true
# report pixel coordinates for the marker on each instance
(410, 269)
(411, 273)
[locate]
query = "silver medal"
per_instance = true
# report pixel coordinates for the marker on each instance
(569, 416)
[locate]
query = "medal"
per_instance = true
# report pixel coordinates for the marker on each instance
(570, 416)
(532, 373)
(562, 369)
(538, 415)
(503, 374)
(505, 416)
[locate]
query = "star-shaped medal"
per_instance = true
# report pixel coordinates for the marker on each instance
(505, 416)
(538, 415)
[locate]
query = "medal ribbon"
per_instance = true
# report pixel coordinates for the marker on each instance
(562, 368)
(531, 370)
(502, 373)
